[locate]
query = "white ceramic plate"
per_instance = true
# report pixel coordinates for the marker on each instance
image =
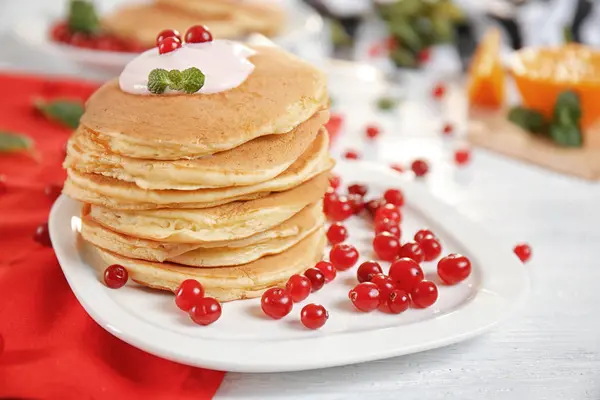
(33, 31)
(245, 340)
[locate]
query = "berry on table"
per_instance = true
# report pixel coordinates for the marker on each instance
(412, 250)
(386, 246)
(343, 256)
(188, 294)
(115, 276)
(424, 294)
(365, 296)
(356, 202)
(316, 278)
(462, 156)
(406, 273)
(387, 225)
(424, 55)
(373, 205)
(329, 199)
(367, 270)
(168, 45)
(448, 129)
(339, 209)
(327, 269)
(276, 303)
(385, 284)
(313, 316)
(358, 188)
(398, 301)
(299, 287)
(394, 196)
(42, 235)
(206, 311)
(165, 33)
(335, 181)
(454, 268)
(523, 251)
(422, 234)
(431, 248)
(439, 90)
(337, 233)
(372, 131)
(351, 155)
(420, 167)
(397, 167)
(198, 34)
(388, 211)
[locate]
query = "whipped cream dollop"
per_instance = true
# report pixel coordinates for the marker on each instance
(224, 64)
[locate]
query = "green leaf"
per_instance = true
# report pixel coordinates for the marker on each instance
(158, 80)
(530, 120)
(387, 103)
(175, 79)
(407, 35)
(193, 80)
(83, 17)
(565, 129)
(339, 36)
(65, 112)
(404, 58)
(568, 34)
(566, 135)
(13, 142)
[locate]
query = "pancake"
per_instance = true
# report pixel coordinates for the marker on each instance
(225, 283)
(115, 194)
(272, 241)
(253, 162)
(142, 22)
(281, 93)
(227, 222)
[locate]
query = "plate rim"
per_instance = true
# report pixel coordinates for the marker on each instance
(144, 335)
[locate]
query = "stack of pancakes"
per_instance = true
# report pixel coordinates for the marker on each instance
(228, 19)
(225, 188)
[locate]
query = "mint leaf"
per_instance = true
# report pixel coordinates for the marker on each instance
(530, 120)
(83, 17)
(158, 80)
(175, 79)
(13, 142)
(193, 80)
(566, 135)
(65, 112)
(386, 103)
(565, 129)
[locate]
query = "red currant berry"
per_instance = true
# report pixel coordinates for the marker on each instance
(390, 212)
(206, 311)
(327, 269)
(462, 156)
(52, 191)
(372, 131)
(398, 301)
(356, 202)
(424, 294)
(343, 256)
(61, 32)
(406, 273)
(365, 296)
(420, 167)
(431, 248)
(188, 294)
(334, 181)
(394, 196)
(397, 167)
(167, 33)
(454, 268)
(386, 246)
(523, 251)
(168, 45)
(351, 155)
(422, 234)
(316, 278)
(198, 34)
(313, 316)
(359, 189)
(385, 284)
(448, 129)
(424, 55)
(339, 210)
(299, 287)
(329, 200)
(439, 90)
(276, 303)
(389, 226)
(337, 233)
(373, 205)
(412, 250)
(42, 235)
(367, 270)
(115, 276)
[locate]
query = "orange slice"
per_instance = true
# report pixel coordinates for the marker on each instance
(486, 77)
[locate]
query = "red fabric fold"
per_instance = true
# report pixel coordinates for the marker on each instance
(52, 348)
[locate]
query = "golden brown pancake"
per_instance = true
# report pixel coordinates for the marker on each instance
(253, 162)
(227, 222)
(112, 193)
(226, 283)
(281, 93)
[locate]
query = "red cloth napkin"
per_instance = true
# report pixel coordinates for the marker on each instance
(52, 348)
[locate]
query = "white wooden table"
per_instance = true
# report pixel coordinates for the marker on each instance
(549, 350)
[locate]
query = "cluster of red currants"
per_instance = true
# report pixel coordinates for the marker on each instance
(102, 41)
(169, 40)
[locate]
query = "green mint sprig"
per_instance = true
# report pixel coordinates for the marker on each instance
(83, 17)
(65, 112)
(14, 142)
(188, 81)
